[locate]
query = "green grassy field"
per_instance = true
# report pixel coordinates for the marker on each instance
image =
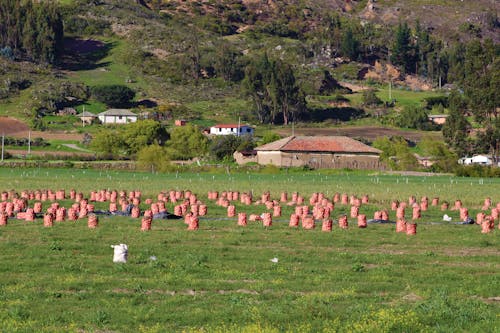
(403, 97)
(220, 278)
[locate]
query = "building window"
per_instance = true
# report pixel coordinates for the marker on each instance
(249, 130)
(120, 117)
(220, 129)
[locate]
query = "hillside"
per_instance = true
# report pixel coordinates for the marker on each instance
(474, 18)
(202, 61)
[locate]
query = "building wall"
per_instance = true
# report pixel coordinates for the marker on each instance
(438, 120)
(117, 119)
(269, 157)
(242, 159)
(320, 160)
(231, 131)
(87, 120)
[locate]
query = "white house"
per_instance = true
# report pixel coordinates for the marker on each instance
(478, 159)
(117, 116)
(231, 129)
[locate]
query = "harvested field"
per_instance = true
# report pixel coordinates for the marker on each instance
(225, 277)
(10, 126)
(367, 132)
(18, 129)
(23, 153)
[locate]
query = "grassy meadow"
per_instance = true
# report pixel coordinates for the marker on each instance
(220, 278)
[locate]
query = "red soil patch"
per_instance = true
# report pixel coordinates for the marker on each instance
(18, 129)
(55, 135)
(9, 126)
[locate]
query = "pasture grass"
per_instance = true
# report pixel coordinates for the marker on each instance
(403, 97)
(382, 188)
(109, 70)
(220, 278)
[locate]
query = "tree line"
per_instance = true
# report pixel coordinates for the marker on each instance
(150, 143)
(31, 30)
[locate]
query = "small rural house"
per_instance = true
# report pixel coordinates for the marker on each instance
(319, 152)
(180, 122)
(438, 119)
(86, 117)
(477, 159)
(117, 116)
(424, 161)
(231, 129)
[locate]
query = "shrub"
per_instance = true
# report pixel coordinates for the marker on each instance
(477, 171)
(269, 137)
(187, 142)
(430, 102)
(113, 95)
(413, 117)
(396, 153)
(154, 158)
(370, 98)
(223, 147)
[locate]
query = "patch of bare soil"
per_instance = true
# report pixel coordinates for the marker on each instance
(187, 292)
(367, 132)
(488, 300)
(18, 129)
(24, 152)
(9, 126)
(466, 252)
(123, 30)
(416, 83)
(412, 297)
(57, 135)
(353, 87)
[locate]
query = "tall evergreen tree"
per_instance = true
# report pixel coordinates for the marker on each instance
(31, 30)
(350, 45)
(257, 78)
(481, 79)
(287, 98)
(274, 90)
(402, 50)
(455, 130)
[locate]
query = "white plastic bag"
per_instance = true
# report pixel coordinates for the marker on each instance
(446, 218)
(121, 253)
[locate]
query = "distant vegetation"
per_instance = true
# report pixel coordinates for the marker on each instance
(289, 62)
(30, 30)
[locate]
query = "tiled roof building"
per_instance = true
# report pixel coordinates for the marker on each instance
(319, 152)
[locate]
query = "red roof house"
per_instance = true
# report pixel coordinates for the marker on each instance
(319, 152)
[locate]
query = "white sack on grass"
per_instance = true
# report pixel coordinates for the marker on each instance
(121, 253)
(446, 218)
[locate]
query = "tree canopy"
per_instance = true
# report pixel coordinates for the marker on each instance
(274, 90)
(186, 142)
(32, 30)
(114, 95)
(127, 140)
